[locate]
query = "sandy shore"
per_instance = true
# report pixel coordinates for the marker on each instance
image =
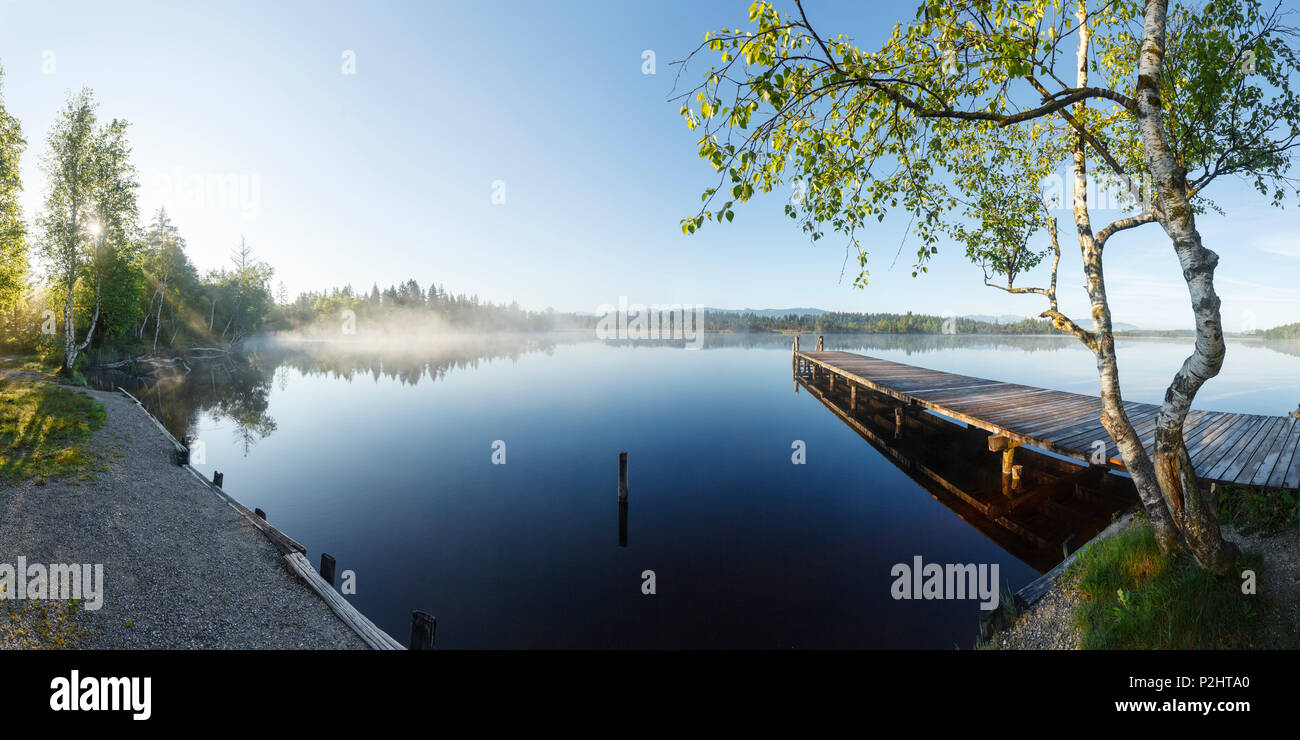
(182, 569)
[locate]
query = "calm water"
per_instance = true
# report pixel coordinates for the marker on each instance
(383, 458)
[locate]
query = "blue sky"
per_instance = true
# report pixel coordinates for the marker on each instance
(244, 123)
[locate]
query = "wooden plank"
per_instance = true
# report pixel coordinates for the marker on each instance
(376, 638)
(1243, 469)
(1289, 453)
(1250, 458)
(1211, 435)
(1279, 445)
(1234, 450)
(1224, 442)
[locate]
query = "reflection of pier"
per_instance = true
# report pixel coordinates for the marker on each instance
(1037, 509)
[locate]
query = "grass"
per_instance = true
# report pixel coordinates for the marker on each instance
(1135, 597)
(1253, 510)
(44, 625)
(44, 428)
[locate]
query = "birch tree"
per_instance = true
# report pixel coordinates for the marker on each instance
(89, 208)
(957, 117)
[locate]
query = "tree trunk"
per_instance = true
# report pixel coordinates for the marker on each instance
(69, 337)
(157, 324)
(1114, 418)
(1190, 511)
(94, 319)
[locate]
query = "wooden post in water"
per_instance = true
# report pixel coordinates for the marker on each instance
(622, 523)
(423, 629)
(1007, 446)
(898, 422)
(622, 476)
(820, 343)
(327, 567)
(218, 478)
(261, 514)
(853, 399)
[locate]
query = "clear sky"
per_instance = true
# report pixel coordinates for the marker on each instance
(244, 122)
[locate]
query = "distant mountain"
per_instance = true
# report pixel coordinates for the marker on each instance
(769, 312)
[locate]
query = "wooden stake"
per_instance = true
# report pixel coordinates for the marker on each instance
(622, 476)
(423, 629)
(327, 567)
(218, 478)
(622, 523)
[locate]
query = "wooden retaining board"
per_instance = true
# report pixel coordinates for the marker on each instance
(1241, 449)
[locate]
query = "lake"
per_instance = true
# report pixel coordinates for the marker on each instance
(382, 454)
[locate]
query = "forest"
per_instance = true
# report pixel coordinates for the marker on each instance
(85, 282)
(85, 278)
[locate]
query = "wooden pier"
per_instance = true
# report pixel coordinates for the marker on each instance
(1226, 448)
(1052, 506)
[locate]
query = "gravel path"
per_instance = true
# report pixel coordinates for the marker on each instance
(182, 569)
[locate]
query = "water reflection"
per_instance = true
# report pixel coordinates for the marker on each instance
(1052, 506)
(237, 388)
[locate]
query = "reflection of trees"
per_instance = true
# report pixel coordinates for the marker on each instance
(1287, 348)
(407, 361)
(235, 388)
(238, 388)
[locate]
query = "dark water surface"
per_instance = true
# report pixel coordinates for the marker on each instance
(382, 457)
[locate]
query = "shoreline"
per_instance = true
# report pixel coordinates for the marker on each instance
(1045, 618)
(183, 567)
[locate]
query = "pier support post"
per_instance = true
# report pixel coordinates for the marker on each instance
(327, 567)
(853, 399)
(622, 476)
(423, 629)
(898, 422)
(1007, 446)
